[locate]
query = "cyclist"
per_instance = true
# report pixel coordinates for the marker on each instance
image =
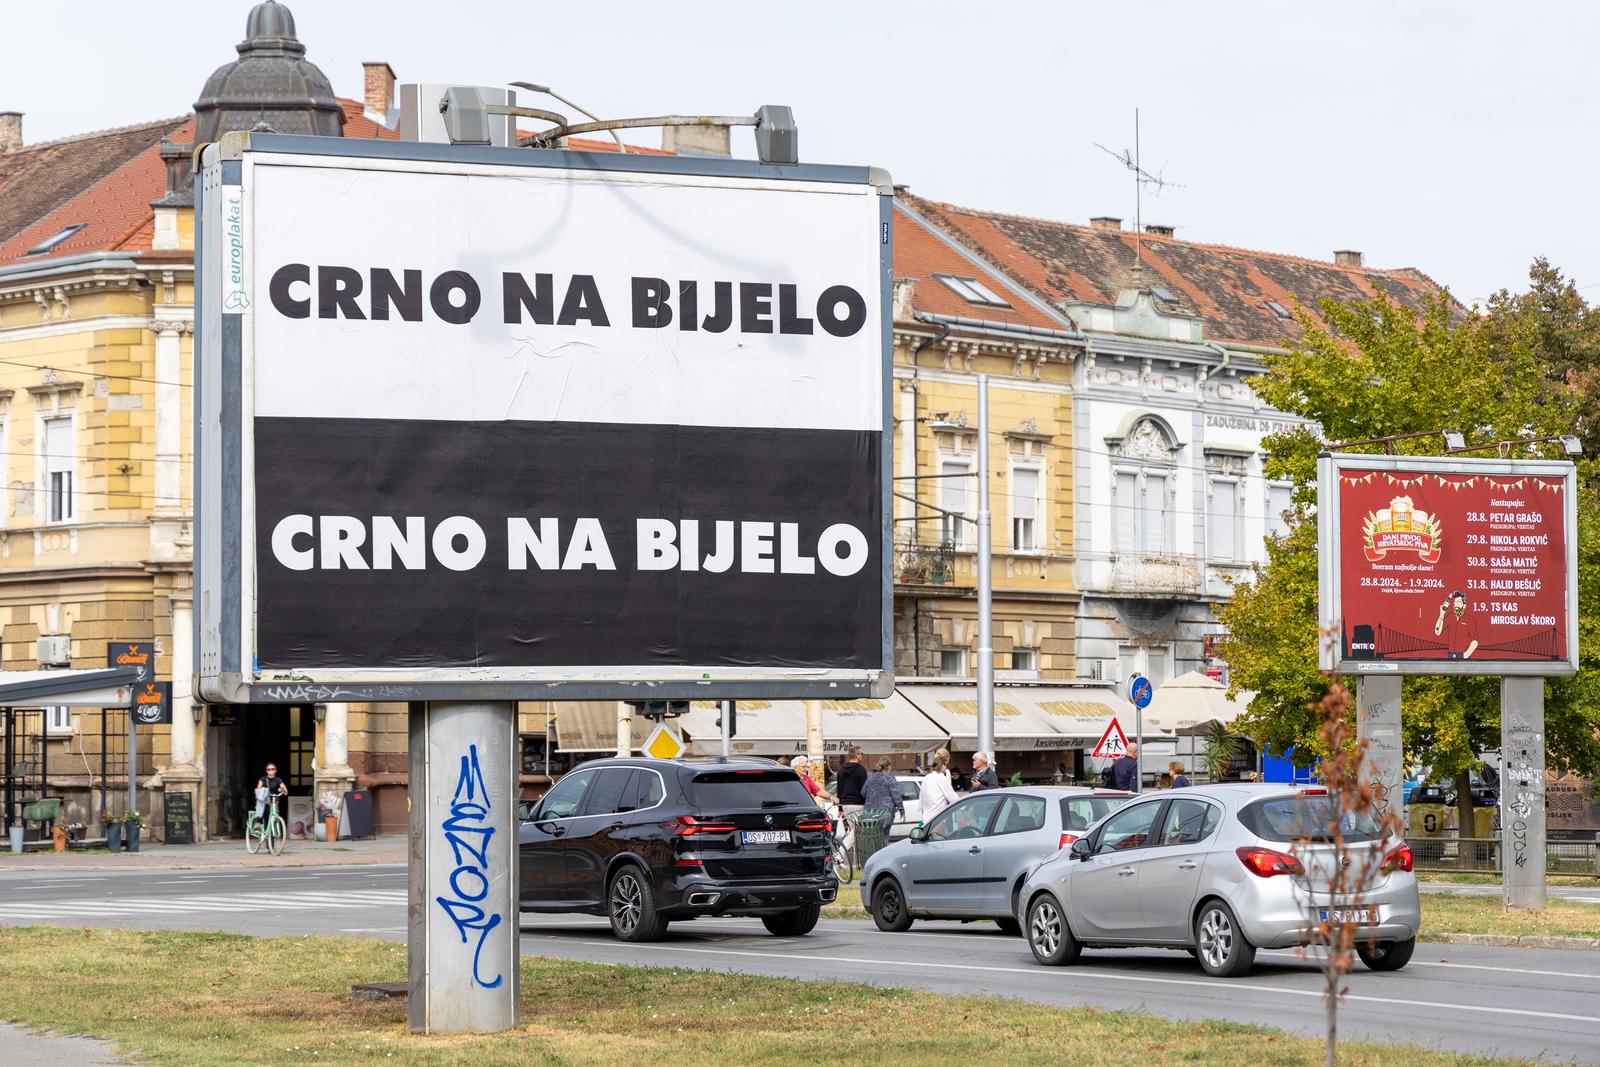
(269, 785)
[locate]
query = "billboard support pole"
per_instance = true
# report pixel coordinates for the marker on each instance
(985, 580)
(1522, 799)
(727, 728)
(461, 915)
(1378, 724)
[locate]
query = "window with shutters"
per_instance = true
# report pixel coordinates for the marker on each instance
(1125, 505)
(1279, 501)
(1025, 507)
(60, 465)
(954, 485)
(1144, 484)
(1222, 519)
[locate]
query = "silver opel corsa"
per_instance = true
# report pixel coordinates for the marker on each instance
(1222, 871)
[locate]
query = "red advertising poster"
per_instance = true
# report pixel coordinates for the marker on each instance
(1452, 567)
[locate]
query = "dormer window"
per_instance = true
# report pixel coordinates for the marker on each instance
(54, 239)
(972, 291)
(1278, 309)
(1163, 294)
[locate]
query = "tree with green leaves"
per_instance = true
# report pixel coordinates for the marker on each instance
(1378, 368)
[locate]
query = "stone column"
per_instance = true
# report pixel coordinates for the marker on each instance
(184, 774)
(814, 740)
(1522, 799)
(1378, 724)
(334, 773)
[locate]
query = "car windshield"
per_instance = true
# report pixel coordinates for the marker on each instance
(738, 790)
(1305, 817)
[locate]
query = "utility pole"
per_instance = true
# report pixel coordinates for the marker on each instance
(985, 580)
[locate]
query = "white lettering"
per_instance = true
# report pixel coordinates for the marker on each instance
(790, 559)
(341, 536)
(522, 542)
(289, 527)
(656, 550)
(721, 557)
(444, 543)
(588, 548)
(828, 549)
(755, 547)
(388, 542)
(689, 538)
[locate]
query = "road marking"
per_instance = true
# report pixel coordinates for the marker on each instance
(1464, 966)
(177, 904)
(1099, 975)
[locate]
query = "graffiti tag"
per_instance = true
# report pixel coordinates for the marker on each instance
(468, 834)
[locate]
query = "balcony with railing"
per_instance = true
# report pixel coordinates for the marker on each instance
(1163, 574)
(921, 564)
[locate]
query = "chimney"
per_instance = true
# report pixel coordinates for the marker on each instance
(1105, 222)
(377, 80)
(10, 131)
(1158, 230)
(1347, 258)
(696, 140)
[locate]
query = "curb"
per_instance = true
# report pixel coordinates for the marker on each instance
(1583, 944)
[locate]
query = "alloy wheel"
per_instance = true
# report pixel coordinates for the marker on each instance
(1045, 929)
(1216, 938)
(626, 897)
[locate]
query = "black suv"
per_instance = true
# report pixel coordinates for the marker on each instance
(648, 841)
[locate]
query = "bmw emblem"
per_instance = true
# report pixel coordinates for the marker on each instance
(767, 819)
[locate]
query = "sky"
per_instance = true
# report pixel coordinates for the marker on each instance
(1454, 137)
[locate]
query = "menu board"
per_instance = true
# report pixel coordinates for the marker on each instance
(1448, 566)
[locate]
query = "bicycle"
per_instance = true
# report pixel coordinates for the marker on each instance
(843, 843)
(269, 831)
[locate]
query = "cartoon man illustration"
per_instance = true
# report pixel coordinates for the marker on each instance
(1462, 641)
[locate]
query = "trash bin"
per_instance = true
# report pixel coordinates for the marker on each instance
(1426, 833)
(16, 839)
(872, 833)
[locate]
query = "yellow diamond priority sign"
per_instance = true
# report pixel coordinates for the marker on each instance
(664, 743)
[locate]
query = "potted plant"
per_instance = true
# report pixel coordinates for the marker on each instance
(113, 825)
(131, 821)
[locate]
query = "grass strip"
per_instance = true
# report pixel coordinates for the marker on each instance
(186, 999)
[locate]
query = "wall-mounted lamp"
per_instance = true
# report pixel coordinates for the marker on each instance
(319, 712)
(198, 711)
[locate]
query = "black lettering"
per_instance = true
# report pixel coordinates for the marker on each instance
(540, 302)
(855, 310)
(688, 305)
(788, 320)
(337, 289)
(583, 302)
(387, 293)
(652, 309)
(282, 278)
(721, 316)
(755, 307)
(439, 296)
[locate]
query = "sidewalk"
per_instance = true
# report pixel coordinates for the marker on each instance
(228, 853)
(49, 1050)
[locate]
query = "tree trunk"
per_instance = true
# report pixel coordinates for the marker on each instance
(1466, 823)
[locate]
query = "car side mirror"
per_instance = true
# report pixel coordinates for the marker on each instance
(1080, 848)
(919, 833)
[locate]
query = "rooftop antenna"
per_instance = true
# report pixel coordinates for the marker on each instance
(1141, 178)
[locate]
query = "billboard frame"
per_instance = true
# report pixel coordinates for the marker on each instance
(1330, 465)
(224, 544)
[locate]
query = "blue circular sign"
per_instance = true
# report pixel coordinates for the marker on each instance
(1140, 691)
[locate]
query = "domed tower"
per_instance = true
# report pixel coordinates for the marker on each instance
(271, 85)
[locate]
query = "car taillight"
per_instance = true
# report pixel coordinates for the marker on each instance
(689, 826)
(1266, 862)
(1066, 839)
(1398, 859)
(813, 824)
(1312, 793)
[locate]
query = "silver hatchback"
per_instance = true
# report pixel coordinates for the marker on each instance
(1222, 871)
(970, 860)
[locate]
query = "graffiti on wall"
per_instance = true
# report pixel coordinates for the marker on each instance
(468, 833)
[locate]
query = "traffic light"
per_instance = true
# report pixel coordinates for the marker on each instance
(730, 715)
(658, 710)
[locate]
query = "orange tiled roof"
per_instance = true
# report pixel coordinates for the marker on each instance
(1227, 287)
(920, 254)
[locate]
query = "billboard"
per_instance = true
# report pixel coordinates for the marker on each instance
(500, 423)
(1447, 566)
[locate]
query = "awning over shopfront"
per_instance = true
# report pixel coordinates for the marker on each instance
(1026, 717)
(109, 687)
(778, 727)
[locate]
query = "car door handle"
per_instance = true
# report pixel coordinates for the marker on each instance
(1187, 865)
(974, 850)
(617, 826)
(1124, 872)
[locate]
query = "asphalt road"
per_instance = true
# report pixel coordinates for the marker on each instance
(1537, 1003)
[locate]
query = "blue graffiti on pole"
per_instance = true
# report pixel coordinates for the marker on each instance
(467, 833)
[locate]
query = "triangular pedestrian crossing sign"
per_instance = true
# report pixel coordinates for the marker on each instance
(1113, 743)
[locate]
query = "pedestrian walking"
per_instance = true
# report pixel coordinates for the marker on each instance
(882, 792)
(1179, 779)
(983, 772)
(1125, 771)
(850, 780)
(937, 791)
(802, 766)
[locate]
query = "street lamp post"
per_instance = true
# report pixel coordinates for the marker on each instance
(985, 580)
